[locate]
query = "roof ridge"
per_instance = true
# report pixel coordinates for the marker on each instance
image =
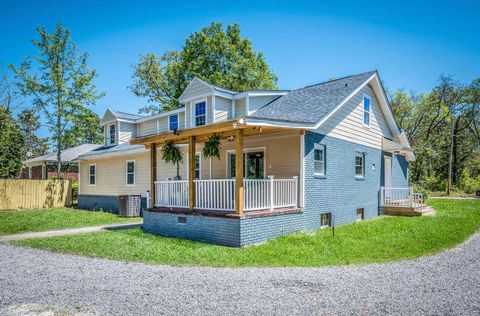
(337, 79)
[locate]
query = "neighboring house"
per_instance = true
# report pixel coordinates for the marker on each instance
(44, 167)
(327, 154)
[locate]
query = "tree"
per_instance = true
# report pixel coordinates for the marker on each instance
(61, 87)
(12, 149)
(85, 129)
(8, 95)
(218, 56)
(29, 124)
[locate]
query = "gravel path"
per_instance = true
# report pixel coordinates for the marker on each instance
(444, 284)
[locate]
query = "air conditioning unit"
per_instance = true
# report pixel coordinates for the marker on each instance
(129, 205)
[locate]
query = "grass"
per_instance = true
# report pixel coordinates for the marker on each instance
(22, 221)
(377, 240)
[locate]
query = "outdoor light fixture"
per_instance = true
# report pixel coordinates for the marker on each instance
(230, 138)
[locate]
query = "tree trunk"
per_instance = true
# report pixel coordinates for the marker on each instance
(450, 157)
(59, 138)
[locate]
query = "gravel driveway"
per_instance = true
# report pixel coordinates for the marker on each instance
(447, 283)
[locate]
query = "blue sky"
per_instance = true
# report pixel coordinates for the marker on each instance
(410, 43)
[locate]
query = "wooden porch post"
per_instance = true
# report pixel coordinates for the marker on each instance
(153, 172)
(239, 194)
(191, 173)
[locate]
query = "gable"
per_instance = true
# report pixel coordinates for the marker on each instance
(108, 116)
(347, 122)
(196, 89)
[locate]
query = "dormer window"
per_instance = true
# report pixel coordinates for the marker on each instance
(112, 134)
(200, 114)
(173, 122)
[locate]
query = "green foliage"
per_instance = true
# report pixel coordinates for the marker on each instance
(58, 82)
(171, 153)
(85, 129)
(22, 221)
(378, 240)
(12, 148)
(29, 124)
(214, 54)
(429, 120)
(212, 146)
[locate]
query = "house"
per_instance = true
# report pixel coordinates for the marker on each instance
(44, 167)
(327, 154)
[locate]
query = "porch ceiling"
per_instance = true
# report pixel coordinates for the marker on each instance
(225, 129)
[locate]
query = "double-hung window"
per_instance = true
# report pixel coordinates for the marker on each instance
(173, 122)
(359, 165)
(130, 172)
(319, 160)
(112, 134)
(366, 110)
(92, 174)
(200, 114)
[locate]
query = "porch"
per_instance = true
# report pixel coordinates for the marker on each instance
(403, 202)
(254, 174)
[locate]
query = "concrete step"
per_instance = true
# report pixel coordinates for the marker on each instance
(424, 210)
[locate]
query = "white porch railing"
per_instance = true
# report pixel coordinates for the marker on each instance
(219, 194)
(215, 194)
(400, 197)
(171, 193)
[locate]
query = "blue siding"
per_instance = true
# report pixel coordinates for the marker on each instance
(339, 192)
(104, 202)
(218, 230)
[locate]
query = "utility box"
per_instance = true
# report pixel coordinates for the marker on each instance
(129, 205)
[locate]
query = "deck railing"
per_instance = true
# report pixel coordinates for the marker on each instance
(219, 194)
(400, 197)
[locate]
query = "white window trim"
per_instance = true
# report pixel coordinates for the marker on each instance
(178, 122)
(246, 150)
(192, 112)
(109, 142)
(89, 175)
(360, 154)
(134, 173)
(321, 147)
(369, 111)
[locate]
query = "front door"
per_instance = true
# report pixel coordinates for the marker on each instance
(253, 168)
(387, 171)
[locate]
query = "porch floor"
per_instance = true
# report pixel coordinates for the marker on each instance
(228, 214)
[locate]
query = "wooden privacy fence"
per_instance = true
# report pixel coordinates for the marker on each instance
(30, 194)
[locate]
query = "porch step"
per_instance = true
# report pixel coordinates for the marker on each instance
(423, 210)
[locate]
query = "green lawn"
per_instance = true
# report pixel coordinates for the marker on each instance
(377, 240)
(20, 221)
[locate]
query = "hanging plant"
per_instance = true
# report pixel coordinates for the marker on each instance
(212, 146)
(171, 153)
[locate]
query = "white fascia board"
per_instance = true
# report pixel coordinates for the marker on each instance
(264, 122)
(160, 115)
(385, 105)
(223, 94)
(244, 94)
(113, 154)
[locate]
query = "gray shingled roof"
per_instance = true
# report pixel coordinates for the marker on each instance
(111, 149)
(310, 104)
(66, 155)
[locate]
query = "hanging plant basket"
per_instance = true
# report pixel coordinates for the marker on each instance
(171, 153)
(212, 146)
